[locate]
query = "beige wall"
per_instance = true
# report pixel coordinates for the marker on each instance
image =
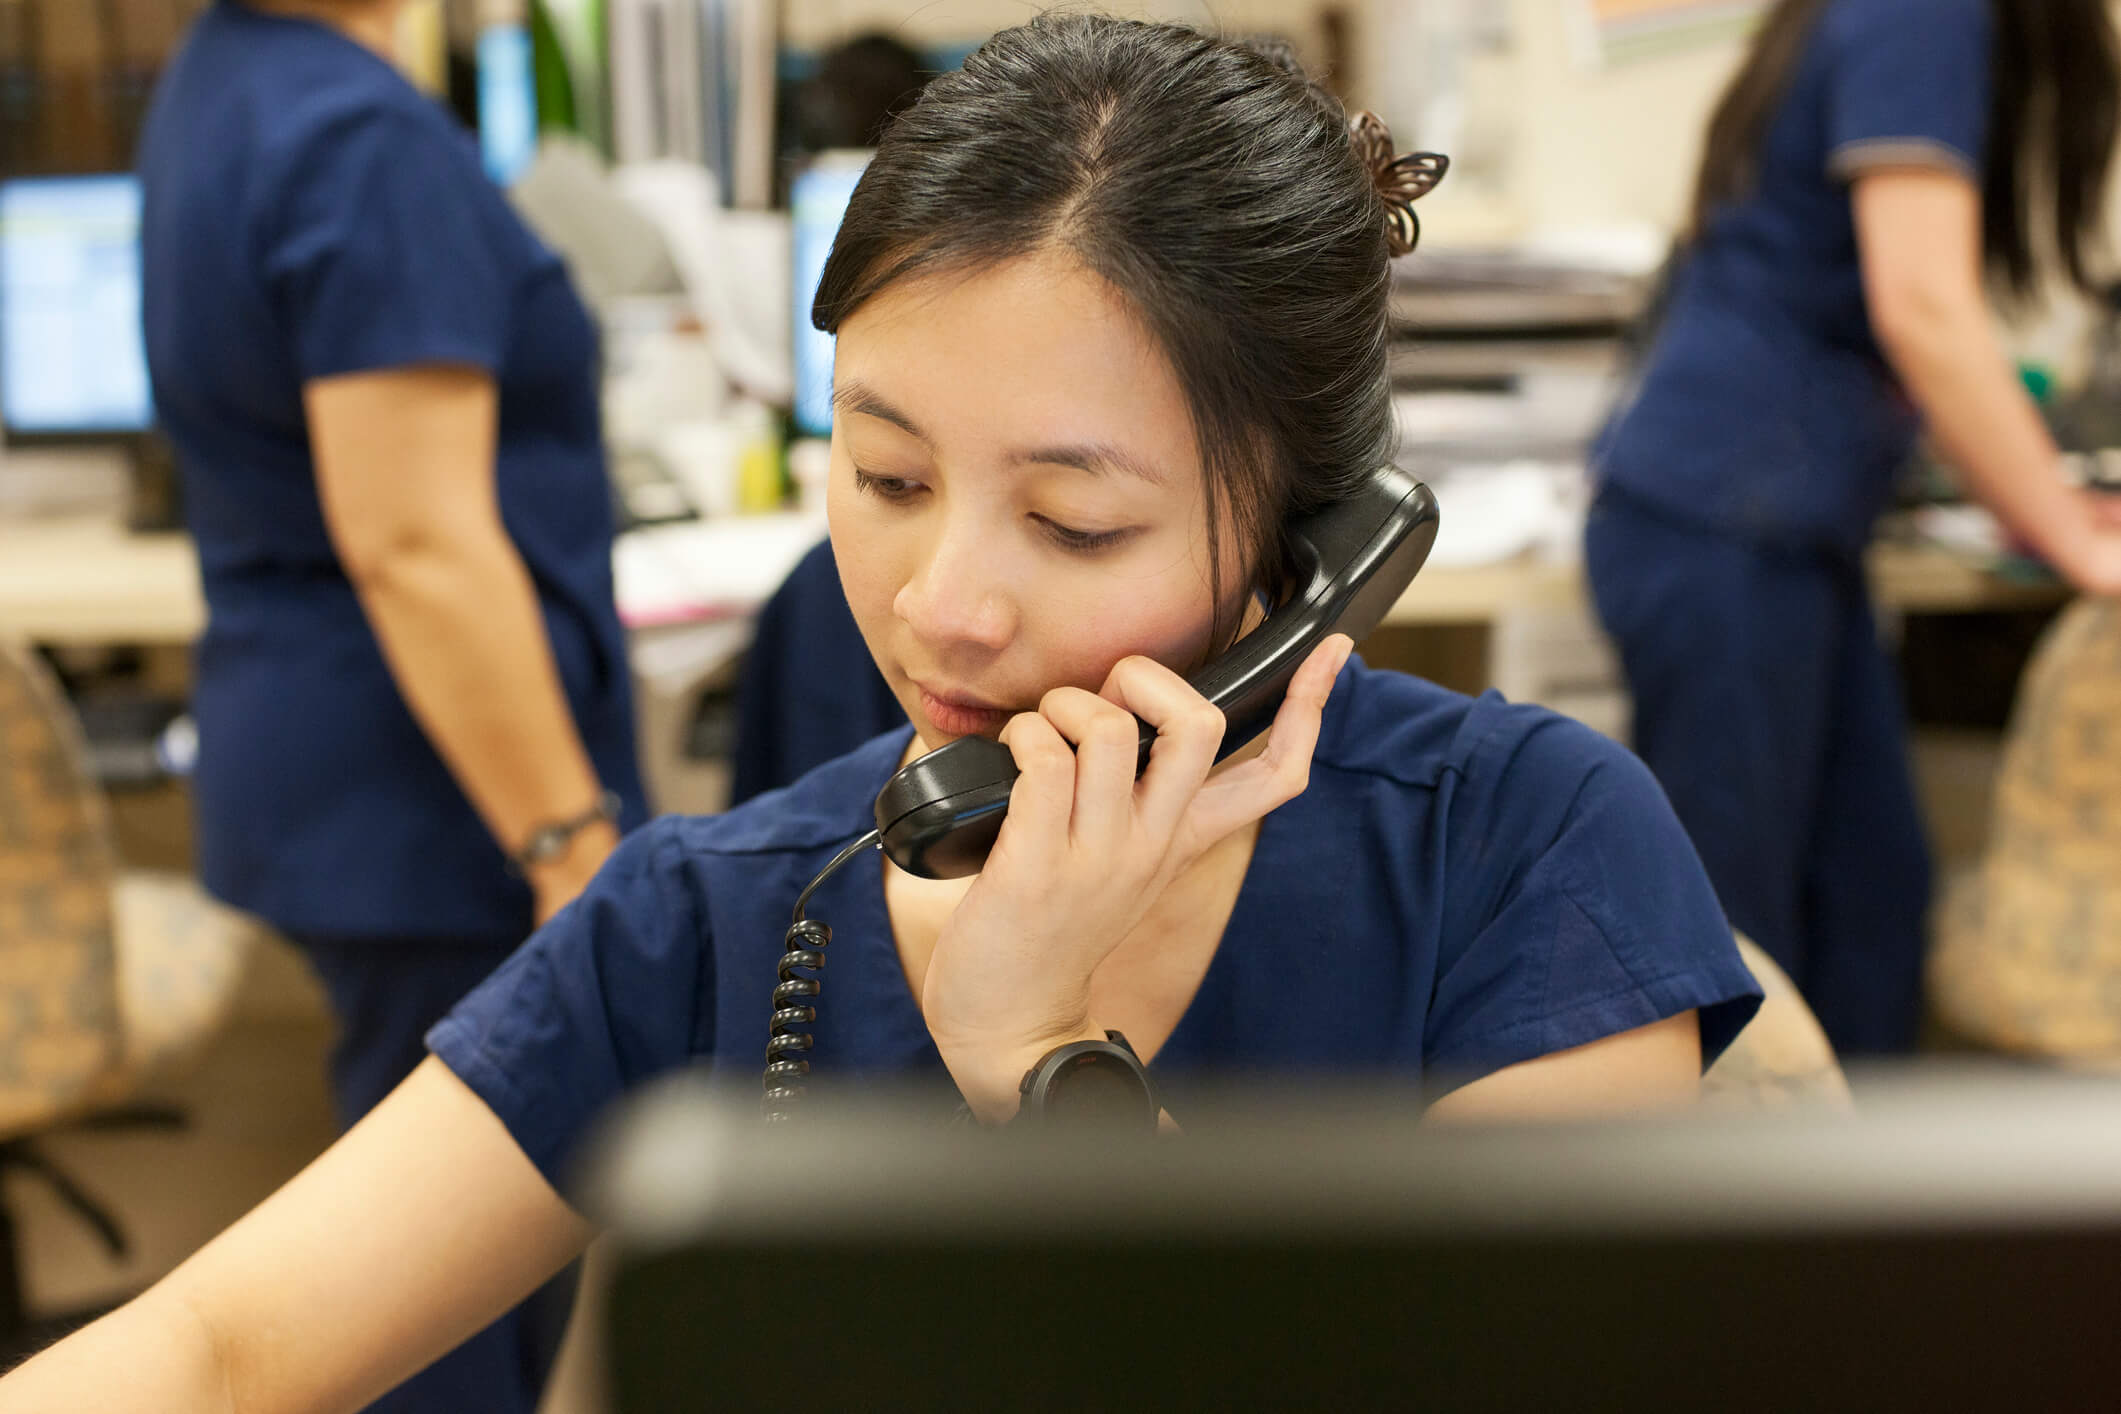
(1600, 146)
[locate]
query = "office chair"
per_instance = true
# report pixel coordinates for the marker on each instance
(108, 978)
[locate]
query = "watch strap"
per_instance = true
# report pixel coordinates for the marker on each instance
(550, 840)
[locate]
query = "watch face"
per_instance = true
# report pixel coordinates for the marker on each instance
(1096, 1088)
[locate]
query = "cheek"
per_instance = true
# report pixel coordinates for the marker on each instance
(864, 551)
(1170, 625)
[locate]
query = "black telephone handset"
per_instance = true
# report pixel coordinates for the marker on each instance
(939, 816)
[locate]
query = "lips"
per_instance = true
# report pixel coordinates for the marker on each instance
(960, 715)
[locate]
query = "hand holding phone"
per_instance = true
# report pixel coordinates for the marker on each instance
(1089, 847)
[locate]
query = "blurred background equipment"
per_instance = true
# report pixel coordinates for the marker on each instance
(73, 365)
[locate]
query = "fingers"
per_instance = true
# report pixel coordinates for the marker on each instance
(1040, 801)
(1077, 754)
(1189, 729)
(1105, 738)
(1245, 792)
(2104, 508)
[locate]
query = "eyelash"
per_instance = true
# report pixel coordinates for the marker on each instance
(892, 488)
(1082, 542)
(897, 491)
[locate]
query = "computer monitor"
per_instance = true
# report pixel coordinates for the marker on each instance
(1952, 1248)
(817, 199)
(73, 361)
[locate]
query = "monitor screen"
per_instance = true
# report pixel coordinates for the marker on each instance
(818, 198)
(72, 357)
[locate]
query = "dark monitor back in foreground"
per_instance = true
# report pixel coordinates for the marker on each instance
(1942, 1252)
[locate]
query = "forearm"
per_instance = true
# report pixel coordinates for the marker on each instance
(152, 1353)
(1981, 418)
(459, 623)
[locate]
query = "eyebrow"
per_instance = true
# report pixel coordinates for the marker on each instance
(1097, 458)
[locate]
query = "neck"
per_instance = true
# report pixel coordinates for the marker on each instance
(372, 24)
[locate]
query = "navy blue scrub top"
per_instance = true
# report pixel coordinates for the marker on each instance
(309, 213)
(1465, 884)
(1765, 408)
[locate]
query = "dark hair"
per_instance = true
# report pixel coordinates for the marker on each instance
(1208, 182)
(859, 87)
(2054, 103)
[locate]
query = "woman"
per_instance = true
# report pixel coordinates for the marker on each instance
(1110, 302)
(412, 695)
(1871, 159)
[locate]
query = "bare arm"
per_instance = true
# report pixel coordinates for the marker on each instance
(405, 469)
(1652, 1067)
(1918, 231)
(418, 1228)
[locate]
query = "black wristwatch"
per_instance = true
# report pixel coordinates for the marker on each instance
(550, 841)
(1092, 1086)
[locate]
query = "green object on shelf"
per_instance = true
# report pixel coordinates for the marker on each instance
(568, 43)
(2039, 380)
(549, 67)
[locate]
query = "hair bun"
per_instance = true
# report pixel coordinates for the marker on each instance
(1398, 181)
(1276, 51)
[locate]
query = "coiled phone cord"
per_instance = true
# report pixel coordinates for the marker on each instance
(795, 998)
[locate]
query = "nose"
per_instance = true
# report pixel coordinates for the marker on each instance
(960, 594)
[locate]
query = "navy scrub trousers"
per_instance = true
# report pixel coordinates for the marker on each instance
(1770, 714)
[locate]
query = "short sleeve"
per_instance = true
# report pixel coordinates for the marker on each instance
(387, 253)
(1597, 919)
(604, 997)
(1908, 85)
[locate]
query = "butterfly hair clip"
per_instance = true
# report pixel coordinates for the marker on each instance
(1399, 181)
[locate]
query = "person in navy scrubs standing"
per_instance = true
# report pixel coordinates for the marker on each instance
(1870, 163)
(412, 693)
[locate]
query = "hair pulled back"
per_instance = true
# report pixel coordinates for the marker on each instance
(1206, 180)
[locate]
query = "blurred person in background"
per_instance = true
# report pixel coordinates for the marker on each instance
(412, 693)
(808, 690)
(1871, 168)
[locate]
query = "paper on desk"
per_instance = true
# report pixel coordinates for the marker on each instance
(674, 658)
(1498, 512)
(720, 568)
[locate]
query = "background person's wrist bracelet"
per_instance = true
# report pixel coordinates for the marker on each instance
(549, 841)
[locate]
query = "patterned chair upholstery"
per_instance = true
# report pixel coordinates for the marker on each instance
(1782, 1058)
(2028, 948)
(60, 1028)
(181, 960)
(107, 978)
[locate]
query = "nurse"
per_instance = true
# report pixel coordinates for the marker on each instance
(1110, 302)
(412, 693)
(1871, 162)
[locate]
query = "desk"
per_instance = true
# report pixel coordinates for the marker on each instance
(92, 581)
(85, 581)
(1906, 578)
